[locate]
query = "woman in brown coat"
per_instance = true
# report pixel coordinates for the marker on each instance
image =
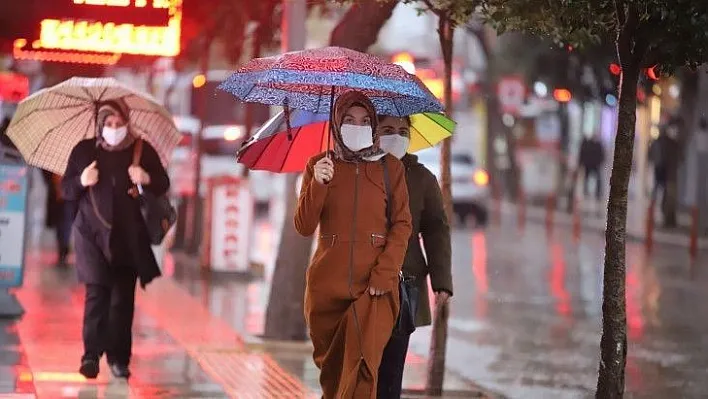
(429, 223)
(351, 299)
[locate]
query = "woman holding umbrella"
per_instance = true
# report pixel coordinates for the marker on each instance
(351, 299)
(111, 240)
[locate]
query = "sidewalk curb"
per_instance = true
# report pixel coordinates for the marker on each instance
(538, 215)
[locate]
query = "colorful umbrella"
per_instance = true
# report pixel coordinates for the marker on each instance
(48, 124)
(310, 79)
(276, 148)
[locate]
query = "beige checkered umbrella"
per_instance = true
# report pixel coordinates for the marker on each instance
(48, 124)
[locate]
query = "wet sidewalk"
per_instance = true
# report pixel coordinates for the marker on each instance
(180, 349)
(242, 304)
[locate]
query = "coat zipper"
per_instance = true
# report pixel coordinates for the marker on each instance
(351, 261)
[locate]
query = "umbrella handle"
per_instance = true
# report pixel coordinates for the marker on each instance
(331, 120)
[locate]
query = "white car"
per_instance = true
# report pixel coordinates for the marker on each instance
(470, 184)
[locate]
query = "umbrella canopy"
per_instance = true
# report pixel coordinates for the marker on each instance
(310, 79)
(276, 148)
(48, 124)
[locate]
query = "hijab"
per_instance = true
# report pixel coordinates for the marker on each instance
(118, 108)
(345, 101)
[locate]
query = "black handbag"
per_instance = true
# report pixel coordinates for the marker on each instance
(158, 213)
(407, 289)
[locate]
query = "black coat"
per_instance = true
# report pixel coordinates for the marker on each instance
(110, 235)
(429, 223)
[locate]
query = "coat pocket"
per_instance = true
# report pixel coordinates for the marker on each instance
(327, 240)
(378, 240)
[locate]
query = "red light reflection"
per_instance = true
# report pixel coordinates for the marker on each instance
(479, 270)
(557, 280)
(635, 319)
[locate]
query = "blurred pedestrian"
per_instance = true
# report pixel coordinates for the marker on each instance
(112, 245)
(351, 298)
(592, 160)
(59, 215)
(429, 223)
(665, 156)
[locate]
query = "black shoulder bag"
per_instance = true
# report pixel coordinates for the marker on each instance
(158, 212)
(407, 289)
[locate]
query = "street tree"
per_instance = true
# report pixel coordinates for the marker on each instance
(665, 34)
(285, 313)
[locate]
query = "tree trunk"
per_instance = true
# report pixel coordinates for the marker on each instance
(285, 313)
(438, 342)
(613, 345)
(360, 26)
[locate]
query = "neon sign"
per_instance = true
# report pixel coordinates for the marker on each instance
(105, 30)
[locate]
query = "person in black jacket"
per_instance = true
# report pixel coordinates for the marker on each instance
(592, 159)
(110, 237)
(429, 223)
(60, 215)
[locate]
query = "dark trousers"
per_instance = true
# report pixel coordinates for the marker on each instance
(598, 182)
(67, 214)
(108, 319)
(391, 368)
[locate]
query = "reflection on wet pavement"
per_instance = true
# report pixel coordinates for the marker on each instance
(50, 332)
(528, 309)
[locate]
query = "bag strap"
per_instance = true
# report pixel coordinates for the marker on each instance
(137, 152)
(387, 184)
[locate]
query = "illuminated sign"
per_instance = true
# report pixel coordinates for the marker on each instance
(100, 31)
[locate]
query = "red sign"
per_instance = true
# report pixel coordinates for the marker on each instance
(511, 92)
(13, 87)
(99, 31)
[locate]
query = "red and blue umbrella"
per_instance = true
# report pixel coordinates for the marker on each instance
(310, 80)
(282, 148)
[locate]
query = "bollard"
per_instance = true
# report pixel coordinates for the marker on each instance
(693, 247)
(550, 212)
(577, 227)
(521, 211)
(649, 243)
(496, 206)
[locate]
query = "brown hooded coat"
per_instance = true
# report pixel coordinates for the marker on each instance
(348, 327)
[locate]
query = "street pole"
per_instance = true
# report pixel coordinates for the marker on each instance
(284, 315)
(194, 214)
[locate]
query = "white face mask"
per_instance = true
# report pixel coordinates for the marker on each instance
(395, 144)
(356, 137)
(114, 136)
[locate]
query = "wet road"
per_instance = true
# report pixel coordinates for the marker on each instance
(526, 316)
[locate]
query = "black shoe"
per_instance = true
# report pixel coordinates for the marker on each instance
(89, 368)
(119, 370)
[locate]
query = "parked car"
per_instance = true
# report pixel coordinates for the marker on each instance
(470, 184)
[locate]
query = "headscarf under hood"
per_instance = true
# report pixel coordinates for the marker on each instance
(104, 110)
(345, 101)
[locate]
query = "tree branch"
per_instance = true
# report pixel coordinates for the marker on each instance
(621, 16)
(360, 26)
